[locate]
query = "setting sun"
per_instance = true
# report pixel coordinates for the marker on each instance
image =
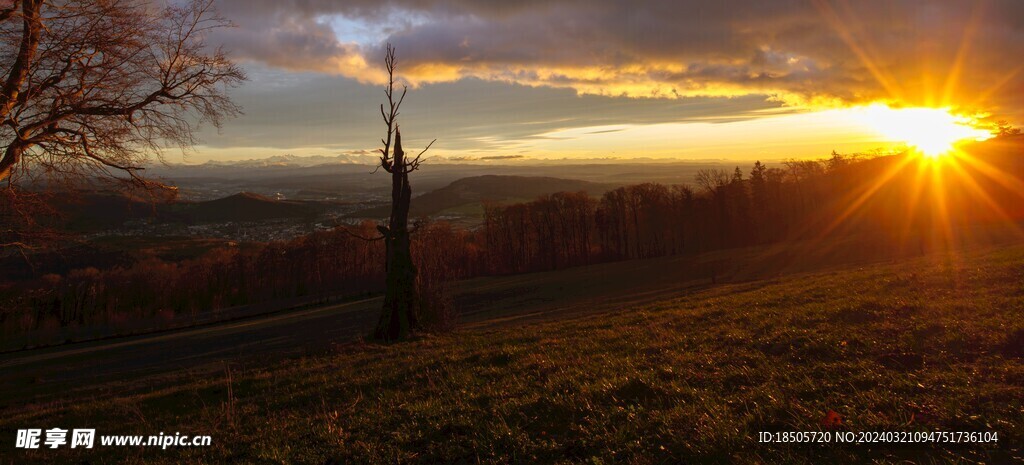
(931, 131)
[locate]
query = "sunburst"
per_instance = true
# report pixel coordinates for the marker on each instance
(933, 132)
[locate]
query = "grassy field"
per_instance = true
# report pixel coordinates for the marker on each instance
(929, 344)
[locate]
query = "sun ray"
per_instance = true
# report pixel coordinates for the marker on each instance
(867, 194)
(980, 193)
(839, 25)
(956, 70)
(984, 95)
(1011, 183)
(912, 204)
(940, 199)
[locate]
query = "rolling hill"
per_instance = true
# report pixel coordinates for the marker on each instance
(244, 206)
(467, 195)
(98, 211)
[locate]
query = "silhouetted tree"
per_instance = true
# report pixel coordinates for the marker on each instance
(836, 162)
(711, 179)
(758, 199)
(1004, 129)
(739, 199)
(715, 183)
(401, 302)
(684, 223)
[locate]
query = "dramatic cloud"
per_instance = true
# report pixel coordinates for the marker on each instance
(284, 110)
(955, 52)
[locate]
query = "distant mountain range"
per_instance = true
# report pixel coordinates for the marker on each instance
(288, 160)
(370, 158)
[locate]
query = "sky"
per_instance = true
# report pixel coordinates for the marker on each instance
(730, 79)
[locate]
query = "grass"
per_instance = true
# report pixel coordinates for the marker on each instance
(934, 343)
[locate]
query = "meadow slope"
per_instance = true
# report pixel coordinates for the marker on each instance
(933, 343)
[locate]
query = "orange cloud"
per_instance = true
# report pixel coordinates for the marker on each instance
(802, 53)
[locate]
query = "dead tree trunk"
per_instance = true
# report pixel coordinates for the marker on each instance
(401, 302)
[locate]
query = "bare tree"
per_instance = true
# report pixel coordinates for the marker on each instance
(711, 179)
(95, 88)
(98, 87)
(401, 302)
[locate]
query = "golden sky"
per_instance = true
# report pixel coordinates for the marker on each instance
(737, 79)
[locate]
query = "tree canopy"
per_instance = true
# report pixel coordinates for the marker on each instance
(97, 87)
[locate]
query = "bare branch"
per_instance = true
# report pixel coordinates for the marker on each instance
(109, 81)
(415, 163)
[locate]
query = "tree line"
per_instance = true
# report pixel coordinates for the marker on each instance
(890, 197)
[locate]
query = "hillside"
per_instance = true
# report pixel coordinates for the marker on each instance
(98, 211)
(928, 344)
(469, 194)
(244, 206)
